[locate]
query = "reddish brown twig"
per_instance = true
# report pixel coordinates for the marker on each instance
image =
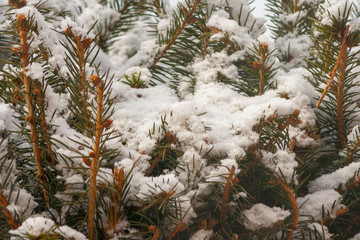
(23, 34)
(352, 151)
(156, 232)
(338, 213)
(175, 36)
(340, 63)
(294, 206)
(114, 212)
(262, 51)
(81, 45)
(340, 90)
(157, 6)
(179, 228)
(96, 153)
(228, 184)
(9, 217)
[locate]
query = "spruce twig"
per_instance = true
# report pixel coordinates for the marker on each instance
(104, 37)
(9, 218)
(156, 232)
(114, 212)
(179, 228)
(262, 51)
(225, 197)
(294, 205)
(40, 100)
(23, 34)
(340, 90)
(96, 153)
(333, 72)
(174, 37)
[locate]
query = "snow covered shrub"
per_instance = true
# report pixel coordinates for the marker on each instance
(142, 119)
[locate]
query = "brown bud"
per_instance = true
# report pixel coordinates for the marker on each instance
(107, 124)
(94, 79)
(27, 118)
(17, 3)
(296, 112)
(263, 47)
(19, 97)
(151, 228)
(256, 64)
(37, 92)
(86, 43)
(21, 18)
(86, 161)
(15, 48)
(171, 138)
(91, 154)
(68, 31)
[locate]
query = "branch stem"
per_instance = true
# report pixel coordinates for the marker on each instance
(23, 34)
(175, 36)
(9, 218)
(224, 207)
(95, 161)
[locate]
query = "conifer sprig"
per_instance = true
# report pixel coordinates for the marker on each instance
(30, 118)
(9, 217)
(96, 153)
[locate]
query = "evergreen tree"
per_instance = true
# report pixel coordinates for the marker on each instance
(124, 119)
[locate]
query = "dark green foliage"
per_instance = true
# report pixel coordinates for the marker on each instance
(166, 153)
(180, 43)
(322, 64)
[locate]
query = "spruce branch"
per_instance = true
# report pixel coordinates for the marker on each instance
(9, 217)
(157, 6)
(341, 66)
(333, 72)
(96, 153)
(171, 41)
(105, 35)
(263, 48)
(114, 212)
(294, 206)
(23, 35)
(179, 228)
(228, 184)
(170, 139)
(156, 232)
(40, 101)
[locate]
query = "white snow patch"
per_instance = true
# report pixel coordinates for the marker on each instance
(312, 204)
(262, 216)
(334, 179)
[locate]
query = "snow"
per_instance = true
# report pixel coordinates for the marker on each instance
(261, 216)
(312, 205)
(78, 31)
(356, 237)
(335, 179)
(332, 9)
(282, 162)
(36, 226)
(35, 71)
(321, 229)
(202, 235)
